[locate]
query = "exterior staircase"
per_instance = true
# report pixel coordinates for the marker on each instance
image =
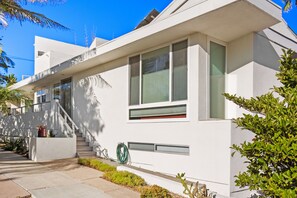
(82, 147)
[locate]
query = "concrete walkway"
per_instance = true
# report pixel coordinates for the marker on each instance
(20, 177)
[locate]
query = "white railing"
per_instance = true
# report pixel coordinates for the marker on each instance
(93, 142)
(38, 107)
(65, 120)
(68, 122)
(84, 130)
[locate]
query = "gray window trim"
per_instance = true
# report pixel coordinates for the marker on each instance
(154, 146)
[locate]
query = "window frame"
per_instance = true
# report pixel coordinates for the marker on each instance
(156, 150)
(214, 40)
(159, 104)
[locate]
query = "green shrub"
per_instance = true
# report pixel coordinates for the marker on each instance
(18, 145)
(96, 164)
(84, 161)
(154, 192)
(271, 156)
(124, 178)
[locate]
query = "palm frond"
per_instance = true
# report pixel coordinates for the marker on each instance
(13, 10)
(3, 21)
(5, 61)
(288, 5)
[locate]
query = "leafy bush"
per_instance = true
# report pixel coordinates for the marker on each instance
(96, 164)
(154, 192)
(271, 156)
(18, 145)
(124, 178)
(196, 191)
(84, 161)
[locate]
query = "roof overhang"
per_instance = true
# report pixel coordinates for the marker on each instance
(224, 20)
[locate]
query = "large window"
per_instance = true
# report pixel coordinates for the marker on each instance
(159, 76)
(217, 80)
(155, 76)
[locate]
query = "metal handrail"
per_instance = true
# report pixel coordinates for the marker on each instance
(67, 117)
(85, 131)
(89, 133)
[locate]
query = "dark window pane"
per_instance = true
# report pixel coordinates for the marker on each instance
(134, 63)
(57, 90)
(179, 75)
(43, 98)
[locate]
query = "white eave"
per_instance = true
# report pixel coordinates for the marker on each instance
(225, 20)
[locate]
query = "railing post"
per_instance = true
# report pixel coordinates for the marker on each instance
(73, 128)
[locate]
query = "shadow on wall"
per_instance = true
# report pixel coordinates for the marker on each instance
(23, 125)
(265, 53)
(88, 104)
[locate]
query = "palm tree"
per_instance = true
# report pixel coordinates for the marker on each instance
(13, 10)
(10, 80)
(5, 63)
(288, 4)
(8, 96)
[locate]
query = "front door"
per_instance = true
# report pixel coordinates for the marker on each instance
(66, 101)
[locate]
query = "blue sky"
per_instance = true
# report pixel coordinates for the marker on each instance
(86, 18)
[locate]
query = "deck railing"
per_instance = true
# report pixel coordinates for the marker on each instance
(38, 107)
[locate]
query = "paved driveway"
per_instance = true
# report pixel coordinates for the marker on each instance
(59, 179)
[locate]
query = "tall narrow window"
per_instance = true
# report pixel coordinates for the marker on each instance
(155, 76)
(179, 74)
(56, 91)
(66, 99)
(217, 80)
(134, 80)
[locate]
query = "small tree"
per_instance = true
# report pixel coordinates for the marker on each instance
(8, 96)
(272, 154)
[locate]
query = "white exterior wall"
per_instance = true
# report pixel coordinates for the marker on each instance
(101, 103)
(100, 97)
(47, 149)
(55, 52)
(253, 61)
(26, 124)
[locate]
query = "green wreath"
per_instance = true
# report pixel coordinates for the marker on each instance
(122, 153)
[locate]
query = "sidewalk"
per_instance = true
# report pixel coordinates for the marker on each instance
(59, 179)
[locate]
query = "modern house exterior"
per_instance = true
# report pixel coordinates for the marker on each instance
(158, 89)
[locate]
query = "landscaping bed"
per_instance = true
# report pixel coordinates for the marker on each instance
(127, 179)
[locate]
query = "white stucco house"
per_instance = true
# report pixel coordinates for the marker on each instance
(158, 89)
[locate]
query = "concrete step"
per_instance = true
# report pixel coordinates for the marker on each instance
(82, 143)
(83, 148)
(86, 154)
(80, 139)
(78, 134)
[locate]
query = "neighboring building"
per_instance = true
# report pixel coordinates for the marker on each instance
(158, 89)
